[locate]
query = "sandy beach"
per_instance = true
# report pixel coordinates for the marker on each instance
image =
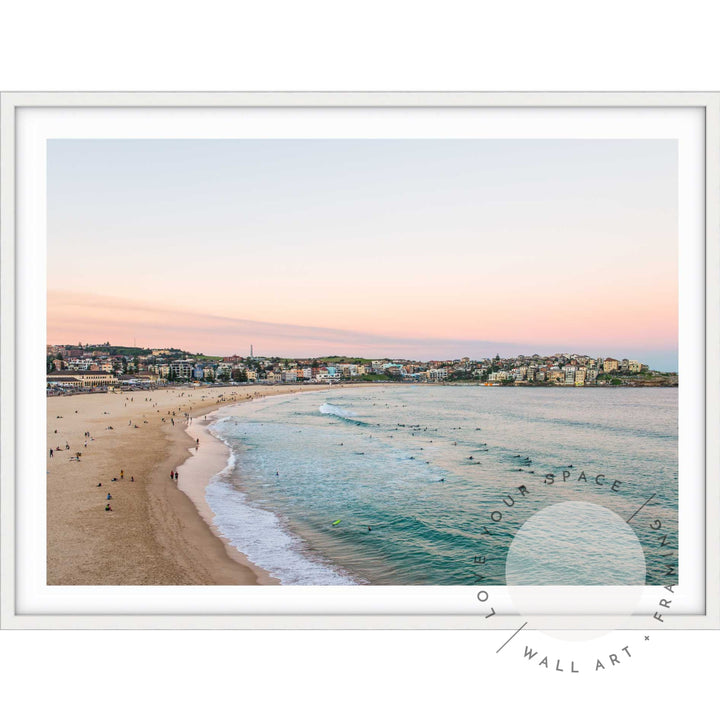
(158, 531)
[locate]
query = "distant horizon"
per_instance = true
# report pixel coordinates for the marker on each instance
(418, 248)
(410, 358)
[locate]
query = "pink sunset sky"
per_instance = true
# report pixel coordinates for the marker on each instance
(382, 248)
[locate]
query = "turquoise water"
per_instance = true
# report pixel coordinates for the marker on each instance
(425, 480)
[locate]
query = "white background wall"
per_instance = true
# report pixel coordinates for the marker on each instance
(521, 45)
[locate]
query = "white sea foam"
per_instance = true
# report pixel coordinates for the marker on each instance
(337, 410)
(260, 535)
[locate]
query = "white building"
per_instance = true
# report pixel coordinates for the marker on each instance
(182, 369)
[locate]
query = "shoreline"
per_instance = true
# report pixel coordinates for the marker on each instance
(206, 459)
(211, 456)
(155, 533)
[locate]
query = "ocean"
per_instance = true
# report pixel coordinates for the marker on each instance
(434, 485)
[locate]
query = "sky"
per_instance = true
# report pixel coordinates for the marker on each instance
(422, 249)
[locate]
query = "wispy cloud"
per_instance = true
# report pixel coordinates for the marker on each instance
(97, 318)
(86, 317)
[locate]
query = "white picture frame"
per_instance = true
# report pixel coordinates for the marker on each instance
(23, 222)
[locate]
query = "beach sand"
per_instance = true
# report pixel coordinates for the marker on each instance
(155, 534)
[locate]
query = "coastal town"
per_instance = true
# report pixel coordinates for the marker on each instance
(83, 368)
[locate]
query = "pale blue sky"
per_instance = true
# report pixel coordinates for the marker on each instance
(540, 244)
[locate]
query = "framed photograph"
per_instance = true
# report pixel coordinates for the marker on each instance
(360, 360)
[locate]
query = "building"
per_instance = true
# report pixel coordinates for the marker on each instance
(437, 374)
(64, 381)
(79, 363)
(181, 369)
(84, 378)
(223, 371)
(610, 365)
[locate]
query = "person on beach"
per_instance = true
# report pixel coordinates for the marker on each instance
(109, 496)
(176, 475)
(172, 475)
(197, 441)
(99, 485)
(122, 474)
(51, 452)
(108, 508)
(132, 478)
